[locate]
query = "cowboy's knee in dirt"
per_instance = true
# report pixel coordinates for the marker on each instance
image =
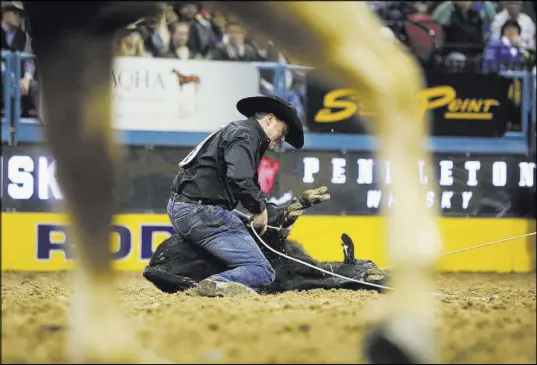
(265, 275)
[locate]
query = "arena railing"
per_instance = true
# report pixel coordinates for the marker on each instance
(533, 125)
(11, 124)
(11, 72)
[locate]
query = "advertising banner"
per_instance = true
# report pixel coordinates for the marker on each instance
(176, 95)
(468, 185)
(472, 105)
(42, 241)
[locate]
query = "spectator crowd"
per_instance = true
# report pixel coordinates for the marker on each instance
(495, 35)
(487, 36)
(484, 36)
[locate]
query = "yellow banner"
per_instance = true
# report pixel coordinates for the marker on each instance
(37, 241)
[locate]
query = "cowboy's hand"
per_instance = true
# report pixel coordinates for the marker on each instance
(260, 222)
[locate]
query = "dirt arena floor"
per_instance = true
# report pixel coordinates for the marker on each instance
(309, 327)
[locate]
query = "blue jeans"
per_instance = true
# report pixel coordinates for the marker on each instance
(221, 233)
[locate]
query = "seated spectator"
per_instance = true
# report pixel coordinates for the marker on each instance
(129, 43)
(489, 13)
(180, 32)
(513, 11)
(420, 7)
(235, 48)
(219, 26)
(155, 33)
(202, 36)
(14, 39)
(392, 11)
(171, 15)
(379, 7)
(463, 28)
(506, 52)
(442, 11)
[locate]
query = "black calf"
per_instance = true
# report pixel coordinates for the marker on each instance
(178, 265)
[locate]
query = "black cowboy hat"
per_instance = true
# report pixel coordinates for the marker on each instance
(281, 109)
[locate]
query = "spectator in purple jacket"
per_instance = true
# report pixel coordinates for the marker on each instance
(506, 52)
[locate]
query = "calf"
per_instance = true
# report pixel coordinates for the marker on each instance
(178, 264)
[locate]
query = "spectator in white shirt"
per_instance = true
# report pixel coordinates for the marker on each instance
(513, 10)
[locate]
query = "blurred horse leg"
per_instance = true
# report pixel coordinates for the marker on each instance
(343, 40)
(77, 113)
(75, 62)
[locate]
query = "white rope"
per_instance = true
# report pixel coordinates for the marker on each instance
(477, 246)
(344, 277)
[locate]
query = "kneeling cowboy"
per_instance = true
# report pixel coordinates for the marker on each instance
(218, 174)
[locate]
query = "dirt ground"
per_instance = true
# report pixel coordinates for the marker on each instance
(309, 327)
